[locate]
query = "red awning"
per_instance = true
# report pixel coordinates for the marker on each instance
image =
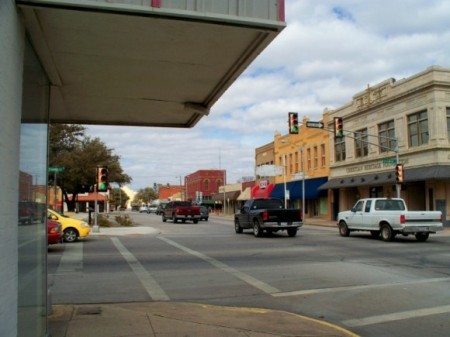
(262, 193)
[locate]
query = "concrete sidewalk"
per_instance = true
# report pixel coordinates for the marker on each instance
(174, 319)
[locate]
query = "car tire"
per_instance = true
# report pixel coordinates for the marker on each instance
(70, 235)
(343, 229)
(375, 234)
(163, 218)
(387, 234)
(422, 237)
(257, 231)
(292, 232)
(195, 221)
(237, 227)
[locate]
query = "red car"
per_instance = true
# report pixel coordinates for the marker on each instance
(54, 232)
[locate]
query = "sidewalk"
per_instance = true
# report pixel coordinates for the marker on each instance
(173, 319)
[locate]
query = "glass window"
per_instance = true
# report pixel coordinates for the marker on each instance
(296, 161)
(207, 185)
(367, 208)
(322, 152)
(361, 145)
(386, 135)
(418, 129)
(339, 149)
(316, 157)
(308, 155)
(32, 238)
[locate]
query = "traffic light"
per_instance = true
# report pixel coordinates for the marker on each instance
(338, 127)
(102, 179)
(399, 173)
(293, 123)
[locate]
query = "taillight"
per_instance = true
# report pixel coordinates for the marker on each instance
(402, 218)
(265, 215)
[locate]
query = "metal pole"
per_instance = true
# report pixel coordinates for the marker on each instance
(54, 191)
(397, 186)
(303, 184)
(95, 228)
(284, 181)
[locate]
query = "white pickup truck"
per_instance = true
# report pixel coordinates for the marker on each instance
(388, 217)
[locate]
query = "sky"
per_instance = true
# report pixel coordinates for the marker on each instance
(329, 51)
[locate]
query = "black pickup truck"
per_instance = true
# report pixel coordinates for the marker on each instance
(267, 215)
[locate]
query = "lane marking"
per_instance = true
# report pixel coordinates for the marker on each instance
(397, 316)
(151, 286)
(71, 259)
(222, 266)
(360, 287)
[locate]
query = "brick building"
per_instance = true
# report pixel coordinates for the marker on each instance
(204, 183)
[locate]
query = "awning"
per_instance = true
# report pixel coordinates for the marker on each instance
(263, 193)
(232, 195)
(374, 179)
(246, 194)
(312, 190)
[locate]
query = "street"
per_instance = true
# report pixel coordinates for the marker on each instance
(368, 286)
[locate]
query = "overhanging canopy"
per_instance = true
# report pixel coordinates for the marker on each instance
(246, 194)
(145, 63)
(295, 189)
(374, 179)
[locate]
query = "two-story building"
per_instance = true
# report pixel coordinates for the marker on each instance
(406, 120)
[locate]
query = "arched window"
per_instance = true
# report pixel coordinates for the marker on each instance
(206, 182)
(219, 183)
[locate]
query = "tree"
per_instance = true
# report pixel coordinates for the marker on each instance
(80, 155)
(146, 195)
(118, 198)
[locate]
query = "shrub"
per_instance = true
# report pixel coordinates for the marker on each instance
(103, 221)
(124, 220)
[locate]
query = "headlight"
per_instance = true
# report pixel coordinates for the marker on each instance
(84, 224)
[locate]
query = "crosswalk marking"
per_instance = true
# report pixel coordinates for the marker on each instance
(240, 275)
(151, 286)
(72, 259)
(397, 316)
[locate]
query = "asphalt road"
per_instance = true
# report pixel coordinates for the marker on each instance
(371, 287)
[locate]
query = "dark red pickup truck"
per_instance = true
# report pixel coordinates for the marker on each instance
(181, 210)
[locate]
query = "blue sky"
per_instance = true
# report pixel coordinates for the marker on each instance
(329, 51)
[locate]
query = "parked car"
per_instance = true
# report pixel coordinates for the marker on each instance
(143, 209)
(134, 208)
(204, 213)
(72, 228)
(152, 208)
(54, 232)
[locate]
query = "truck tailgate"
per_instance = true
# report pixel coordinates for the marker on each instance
(422, 218)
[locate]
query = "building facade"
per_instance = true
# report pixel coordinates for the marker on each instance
(203, 184)
(406, 120)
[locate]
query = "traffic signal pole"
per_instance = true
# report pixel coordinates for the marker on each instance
(95, 228)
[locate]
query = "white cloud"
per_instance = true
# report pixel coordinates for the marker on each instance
(329, 51)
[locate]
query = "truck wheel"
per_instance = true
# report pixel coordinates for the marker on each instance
(292, 232)
(163, 218)
(387, 234)
(343, 229)
(195, 221)
(422, 236)
(257, 231)
(237, 227)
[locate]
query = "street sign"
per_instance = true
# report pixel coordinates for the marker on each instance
(56, 169)
(316, 125)
(389, 161)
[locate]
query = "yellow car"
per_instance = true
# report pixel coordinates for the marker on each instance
(72, 228)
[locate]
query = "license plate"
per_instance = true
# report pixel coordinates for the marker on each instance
(423, 229)
(283, 224)
(189, 216)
